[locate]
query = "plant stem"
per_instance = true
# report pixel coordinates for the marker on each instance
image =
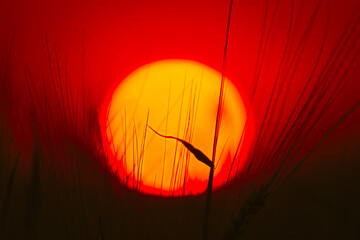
(207, 220)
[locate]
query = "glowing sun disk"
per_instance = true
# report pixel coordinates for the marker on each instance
(176, 98)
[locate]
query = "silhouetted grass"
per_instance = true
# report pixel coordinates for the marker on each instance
(57, 182)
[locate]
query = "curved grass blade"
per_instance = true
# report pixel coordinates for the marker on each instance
(197, 153)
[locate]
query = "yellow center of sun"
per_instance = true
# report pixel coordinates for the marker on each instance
(176, 98)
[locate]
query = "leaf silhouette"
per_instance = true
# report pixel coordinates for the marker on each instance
(197, 153)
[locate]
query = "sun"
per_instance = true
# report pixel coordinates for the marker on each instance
(176, 98)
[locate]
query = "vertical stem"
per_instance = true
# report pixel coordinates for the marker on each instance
(207, 221)
(208, 205)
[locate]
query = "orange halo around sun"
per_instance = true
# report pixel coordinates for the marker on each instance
(176, 98)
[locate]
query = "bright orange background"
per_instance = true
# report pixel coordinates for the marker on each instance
(120, 36)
